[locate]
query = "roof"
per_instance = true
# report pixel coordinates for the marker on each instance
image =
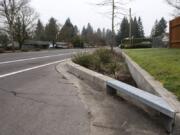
(62, 43)
(33, 42)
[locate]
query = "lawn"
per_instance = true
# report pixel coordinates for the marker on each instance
(163, 64)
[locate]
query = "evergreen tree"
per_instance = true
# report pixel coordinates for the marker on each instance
(135, 28)
(99, 33)
(39, 32)
(84, 34)
(140, 28)
(104, 33)
(124, 30)
(154, 31)
(51, 31)
(88, 34)
(68, 32)
(89, 29)
(76, 31)
(159, 28)
(109, 36)
(162, 25)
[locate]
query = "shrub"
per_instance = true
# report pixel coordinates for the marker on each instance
(84, 59)
(78, 42)
(105, 55)
(102, 60)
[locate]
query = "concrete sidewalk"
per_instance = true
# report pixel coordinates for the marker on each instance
(112, 115)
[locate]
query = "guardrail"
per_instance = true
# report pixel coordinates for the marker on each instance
(150, 100)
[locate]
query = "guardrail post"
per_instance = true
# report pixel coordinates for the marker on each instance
(110, 91)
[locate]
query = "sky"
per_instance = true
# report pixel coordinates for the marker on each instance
(83, 11)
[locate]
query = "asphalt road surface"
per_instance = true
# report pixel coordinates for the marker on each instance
(35, 99)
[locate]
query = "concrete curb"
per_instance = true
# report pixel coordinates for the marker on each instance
(93, 78)
(146, 82)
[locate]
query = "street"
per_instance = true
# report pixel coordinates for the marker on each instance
(35, 99)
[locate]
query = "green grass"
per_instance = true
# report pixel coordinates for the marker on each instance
(163, 64)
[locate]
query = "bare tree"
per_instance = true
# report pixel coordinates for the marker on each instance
(117, 8)
(176, 5)
(25, 23)
(9, 10)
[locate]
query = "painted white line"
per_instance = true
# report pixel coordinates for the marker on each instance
(35, 58)
(28, 69)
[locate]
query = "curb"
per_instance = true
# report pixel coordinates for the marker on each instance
(92, 78)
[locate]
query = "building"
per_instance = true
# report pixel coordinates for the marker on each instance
(63, 45)
(32, 44)
(174, 33)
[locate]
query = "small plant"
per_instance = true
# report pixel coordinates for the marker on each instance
(84, 59)
(105, 55)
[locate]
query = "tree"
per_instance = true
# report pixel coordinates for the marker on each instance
(135, 28)
(4, 39)
(51, 31)
(140, 28)
(24, 24)
(40, 31)
(68, 32)
(84, 34)
(162, 26)
(159, 28)
(89, 33)
(176, 5)
(99, 33)
(123, 31)
(154, 31)
(78, 42)
(109, 36)
(116, 8)
(9, 11)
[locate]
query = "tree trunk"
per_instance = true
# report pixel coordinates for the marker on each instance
(20, 45)
(12, 37)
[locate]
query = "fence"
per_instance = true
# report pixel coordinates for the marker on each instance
(175, 33)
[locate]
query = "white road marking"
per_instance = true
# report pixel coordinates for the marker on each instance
(28, 69)
(48, 56)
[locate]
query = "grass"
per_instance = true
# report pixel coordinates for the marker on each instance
(163, 64)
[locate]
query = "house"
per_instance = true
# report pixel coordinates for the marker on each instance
(16, 45)
(63, 45)
(174, 36)
(32, 44)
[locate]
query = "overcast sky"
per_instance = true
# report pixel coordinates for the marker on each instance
(83, 11)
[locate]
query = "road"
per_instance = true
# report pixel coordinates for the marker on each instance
(35, 99)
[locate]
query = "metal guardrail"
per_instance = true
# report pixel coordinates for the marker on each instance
(150, 100)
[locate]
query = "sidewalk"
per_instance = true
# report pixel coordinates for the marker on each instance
(111, 115)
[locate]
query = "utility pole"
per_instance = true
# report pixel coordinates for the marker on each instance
(113, 31)
(130, 27)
